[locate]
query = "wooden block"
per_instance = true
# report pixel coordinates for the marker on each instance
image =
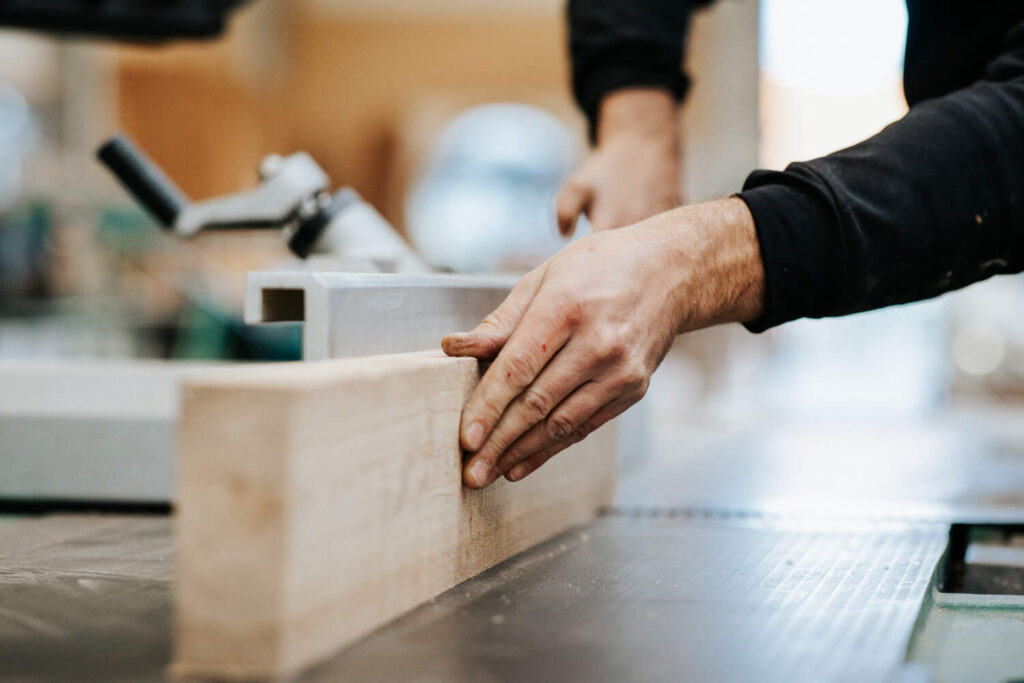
(321, 500)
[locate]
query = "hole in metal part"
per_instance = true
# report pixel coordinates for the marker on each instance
(284, 305)
(985, 559)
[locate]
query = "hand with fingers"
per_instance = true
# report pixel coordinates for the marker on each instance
(633, 173)
(576, 341)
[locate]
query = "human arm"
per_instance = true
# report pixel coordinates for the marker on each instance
(619, 44)
(627, 78)
(931, 203)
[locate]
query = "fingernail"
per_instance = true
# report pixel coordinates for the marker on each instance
(480, 473)
(474, 436)
(518, 472)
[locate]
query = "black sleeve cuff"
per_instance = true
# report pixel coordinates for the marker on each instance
(630, 68)
(794, 214)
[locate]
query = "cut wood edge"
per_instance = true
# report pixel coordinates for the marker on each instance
(319, 501)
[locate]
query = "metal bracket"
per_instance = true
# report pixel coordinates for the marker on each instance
(364, 314)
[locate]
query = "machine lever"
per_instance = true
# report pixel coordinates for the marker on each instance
(143, 179)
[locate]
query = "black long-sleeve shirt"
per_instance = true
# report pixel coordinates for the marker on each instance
(933, 202)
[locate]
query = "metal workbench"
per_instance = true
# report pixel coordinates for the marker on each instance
(799, 553)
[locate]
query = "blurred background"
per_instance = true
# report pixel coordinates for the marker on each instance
(384, 95)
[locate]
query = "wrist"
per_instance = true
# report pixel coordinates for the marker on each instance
(712, 258)
(638, 113)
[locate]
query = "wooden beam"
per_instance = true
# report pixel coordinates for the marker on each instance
(319, 501)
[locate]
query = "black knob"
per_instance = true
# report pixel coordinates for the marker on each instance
(143, 179)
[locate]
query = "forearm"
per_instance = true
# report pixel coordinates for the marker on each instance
(641, 112)
(712, 255)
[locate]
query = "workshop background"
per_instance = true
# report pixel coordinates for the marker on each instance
(367, 87)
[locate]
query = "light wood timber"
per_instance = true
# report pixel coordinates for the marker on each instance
(320, 500)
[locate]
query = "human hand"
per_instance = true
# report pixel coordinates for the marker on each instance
(633, 173)
(576, 341)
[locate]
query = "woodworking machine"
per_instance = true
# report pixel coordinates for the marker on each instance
(361, 290)
(292, 196)
(370, 292)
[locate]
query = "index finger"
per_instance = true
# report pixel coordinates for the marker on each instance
(573, 199)
(486, 339)
(539, 336)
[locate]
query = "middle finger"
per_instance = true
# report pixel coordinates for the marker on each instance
(562, 375)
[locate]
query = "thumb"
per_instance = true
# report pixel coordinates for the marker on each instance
(573, 199)
(486, 339)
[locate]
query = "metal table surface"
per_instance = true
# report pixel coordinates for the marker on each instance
(623, 598)
(748, 559)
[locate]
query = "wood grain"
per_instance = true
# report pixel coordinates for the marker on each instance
(319, 501)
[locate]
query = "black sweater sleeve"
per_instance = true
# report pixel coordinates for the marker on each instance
(615, 44)
(931, 203)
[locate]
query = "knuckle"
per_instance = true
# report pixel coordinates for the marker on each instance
(571, 310)
(524, 289)
(575, 184)
(495, 446)
(615, 348)
(496, 449)
(560, 425)
(633, 380)
(490, 408)
(536, 404)
(611, 344)
(641, 391)
(519, 368)
(490, 323)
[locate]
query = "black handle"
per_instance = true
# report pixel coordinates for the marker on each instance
(144, 179)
